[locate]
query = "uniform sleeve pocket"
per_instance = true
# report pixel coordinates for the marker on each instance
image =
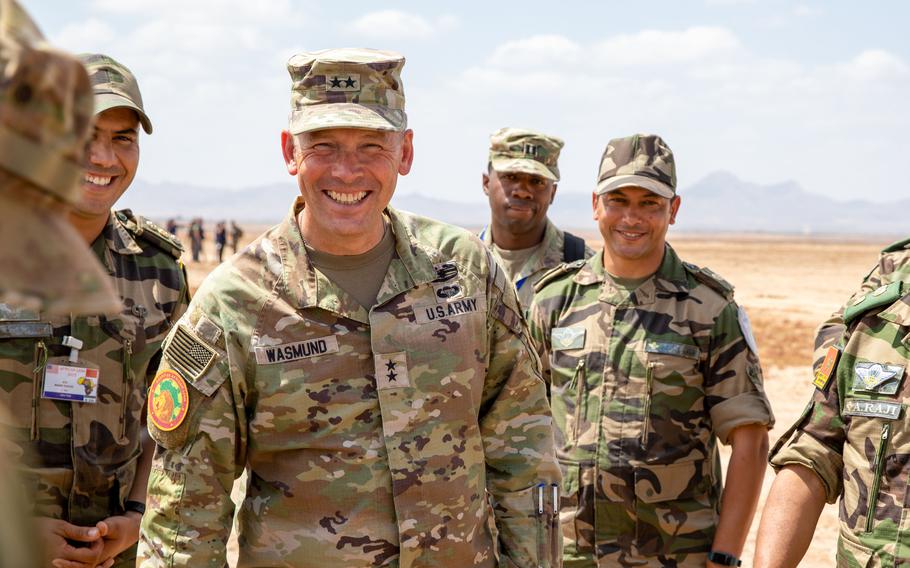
(160, 525)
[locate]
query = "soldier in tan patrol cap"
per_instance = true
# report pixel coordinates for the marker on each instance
(520, 183)
(76, 385)
(368, 367)
(650, 363)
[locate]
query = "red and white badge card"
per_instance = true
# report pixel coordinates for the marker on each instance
(71, 382)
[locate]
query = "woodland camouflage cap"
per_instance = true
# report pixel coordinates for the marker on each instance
(114, 86)
(347, 88)
(641, 160)
(526, 151)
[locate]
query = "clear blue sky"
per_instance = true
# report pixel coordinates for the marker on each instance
(769, 90)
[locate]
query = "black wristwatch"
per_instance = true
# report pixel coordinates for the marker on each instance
(135, 506)
(724, 559)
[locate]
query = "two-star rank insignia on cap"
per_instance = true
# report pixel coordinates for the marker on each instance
(343, 82)
(391, 370)
(169, 400)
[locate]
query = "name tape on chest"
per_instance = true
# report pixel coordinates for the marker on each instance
(873, 408)
(287, 352)
(450, 309)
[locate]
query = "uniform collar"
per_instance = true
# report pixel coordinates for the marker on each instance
(115, 238)
(671, 278)
(309, 288)
(548, 255)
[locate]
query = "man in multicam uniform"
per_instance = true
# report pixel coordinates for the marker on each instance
(650, 362)
(520, 182)
(369, 368)
(77, 420)
(851, 440)
(45, 116)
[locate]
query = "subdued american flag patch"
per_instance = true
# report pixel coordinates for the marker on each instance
(188, 354)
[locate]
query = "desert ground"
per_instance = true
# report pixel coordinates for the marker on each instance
(788, 286)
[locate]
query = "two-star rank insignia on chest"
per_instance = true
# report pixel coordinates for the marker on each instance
(391, 370)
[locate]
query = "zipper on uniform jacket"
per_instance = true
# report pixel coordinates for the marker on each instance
(127, 383)
(646, 420)
(877, 468)
(578, 386)
(37, 382)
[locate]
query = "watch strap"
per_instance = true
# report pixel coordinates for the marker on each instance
(724, 559)
(135, 506)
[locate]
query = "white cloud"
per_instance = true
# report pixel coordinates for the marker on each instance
(874, 65)
(91, 35)
(396, 25)
(655, 47)
(536, 51)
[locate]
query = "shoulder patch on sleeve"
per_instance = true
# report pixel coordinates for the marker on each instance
(899, 245)
(557, 272)
(881, 296)
(192, 358)
(710, 279)
(151, 233)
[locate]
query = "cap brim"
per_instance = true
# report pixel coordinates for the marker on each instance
(107, 101)
(347, 115)
(46, 264)
(522, 165)
(633, 180)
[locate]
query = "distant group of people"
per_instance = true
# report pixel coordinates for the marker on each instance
(402, 392)
(195, 234)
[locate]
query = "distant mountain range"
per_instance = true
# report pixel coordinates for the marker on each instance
(720, 202)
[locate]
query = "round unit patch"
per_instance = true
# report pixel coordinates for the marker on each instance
(169, 400)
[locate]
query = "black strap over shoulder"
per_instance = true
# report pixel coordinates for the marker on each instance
(573, 248)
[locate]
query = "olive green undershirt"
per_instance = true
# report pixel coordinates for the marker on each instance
(360, 275)
(514, 261)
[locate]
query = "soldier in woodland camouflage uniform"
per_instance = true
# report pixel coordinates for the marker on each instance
(76, 385)
(520, 183)
(650, 362)
(893, 265)
(368, 367)
(852, 440)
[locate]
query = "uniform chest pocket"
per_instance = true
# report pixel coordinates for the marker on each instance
(673, 384)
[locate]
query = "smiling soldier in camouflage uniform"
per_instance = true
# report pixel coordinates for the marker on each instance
(520, 183)
(650, 362)
(851, 441)
(80, 439)
(369, 368)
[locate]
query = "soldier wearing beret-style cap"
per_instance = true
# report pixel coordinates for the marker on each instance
(367, 367)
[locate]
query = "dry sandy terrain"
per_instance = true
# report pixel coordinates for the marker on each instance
(788, 286)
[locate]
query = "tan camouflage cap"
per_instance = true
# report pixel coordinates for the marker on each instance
(114, 86)
(526, 151)
(641, 160)
(45, 118)
(347, 88)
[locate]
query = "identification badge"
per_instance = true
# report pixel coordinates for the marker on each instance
(826, 369)
(562, 338)
(72, 382)
(877, 377)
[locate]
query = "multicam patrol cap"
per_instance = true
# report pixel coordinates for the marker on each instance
(347, 88)
(114, 86)
(525, 151)
(641, 160)
(45, 118)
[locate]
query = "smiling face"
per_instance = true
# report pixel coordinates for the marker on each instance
(113, 159)
(633, 222)
(519, 203)
(347, 177)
